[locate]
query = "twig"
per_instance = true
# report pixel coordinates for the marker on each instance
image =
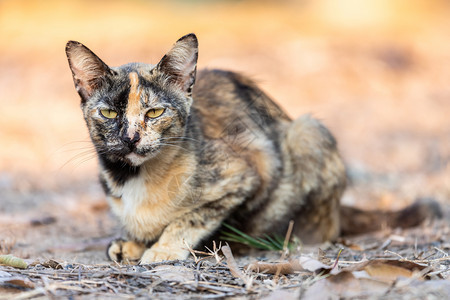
(386, 244)
(285, 249)
(442, 251)
(108, 285)
(286, 239)
(220, 288)
(426, 261)
(337, 259)
(231, 263)
(391, 252)
(191, 251)
(197, 274)
(213, 283)
(215, 252)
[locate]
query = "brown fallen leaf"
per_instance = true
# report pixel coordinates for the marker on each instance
(368, 278)
(388, 269)
(283, 268)
(386, 272)
(52, 264)
(345, 285)
(17, 281)
(303, 263)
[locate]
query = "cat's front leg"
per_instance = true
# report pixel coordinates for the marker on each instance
(165, 251)
(189, 230)
(121, 250)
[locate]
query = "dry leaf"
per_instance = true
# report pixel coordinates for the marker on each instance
(52, 264)
(172, 273)
(343, 285)
(321, 256)
(17, 281)
(387, 269)
(386, 272)
(283, 268)
(360, 284)
(314, 266)
(368, 278)
(304, 263)
(13, 261)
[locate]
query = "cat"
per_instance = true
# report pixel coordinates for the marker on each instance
(181, 153)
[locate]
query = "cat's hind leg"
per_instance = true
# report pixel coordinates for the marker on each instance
(319, 178)
(311, 185)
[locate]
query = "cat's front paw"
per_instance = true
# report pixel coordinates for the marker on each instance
(159, 253)
(121, 250)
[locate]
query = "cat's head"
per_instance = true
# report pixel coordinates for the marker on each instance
(135, 110)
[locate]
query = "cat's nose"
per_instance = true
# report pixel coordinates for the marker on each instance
(132, 141)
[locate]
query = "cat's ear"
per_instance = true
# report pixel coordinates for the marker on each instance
(180, 63)
(88, 71)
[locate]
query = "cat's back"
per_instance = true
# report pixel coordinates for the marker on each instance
(228, 103)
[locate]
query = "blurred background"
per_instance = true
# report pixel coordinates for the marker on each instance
(376, 72)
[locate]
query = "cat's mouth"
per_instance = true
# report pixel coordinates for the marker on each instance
(136, 159)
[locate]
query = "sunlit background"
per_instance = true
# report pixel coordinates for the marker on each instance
(376, 72)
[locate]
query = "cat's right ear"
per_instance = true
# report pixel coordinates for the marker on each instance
(88, 71)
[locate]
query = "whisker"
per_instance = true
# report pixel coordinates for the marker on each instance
(77, 142)
(86, 159)
(81, 157)
(81, 154)
(179, 138)
(177, 146)
(77, 149)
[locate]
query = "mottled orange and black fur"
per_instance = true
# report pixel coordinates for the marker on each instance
(178, 159)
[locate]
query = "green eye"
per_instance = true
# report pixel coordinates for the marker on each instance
(155, 112)
(108, 113)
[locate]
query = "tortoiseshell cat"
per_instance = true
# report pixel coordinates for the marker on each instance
(177, 161)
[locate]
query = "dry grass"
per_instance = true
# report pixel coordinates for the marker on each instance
(209, 277)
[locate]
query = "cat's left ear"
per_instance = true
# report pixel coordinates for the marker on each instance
(180, 63)
(88, 70)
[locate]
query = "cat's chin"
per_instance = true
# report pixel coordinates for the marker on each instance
(136, 159)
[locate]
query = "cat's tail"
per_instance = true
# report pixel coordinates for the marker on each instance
(357, 221)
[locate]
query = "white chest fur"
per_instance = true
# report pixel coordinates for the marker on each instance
(145, 207)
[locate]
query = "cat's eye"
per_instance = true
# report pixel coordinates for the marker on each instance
(155, 112)
(108, 113)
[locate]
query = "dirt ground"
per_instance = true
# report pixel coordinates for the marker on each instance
(376, 72)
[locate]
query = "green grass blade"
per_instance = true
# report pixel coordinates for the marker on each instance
(241, 237)
(267, 242)
(274, 242)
